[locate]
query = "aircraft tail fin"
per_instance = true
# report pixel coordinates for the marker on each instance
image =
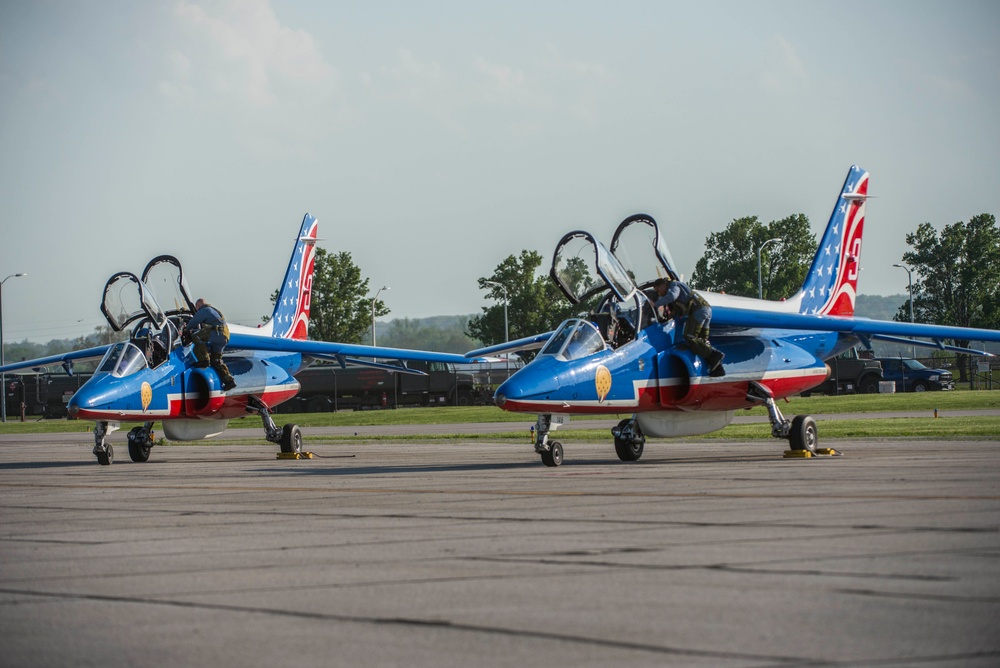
(290, 319)
(831, 284)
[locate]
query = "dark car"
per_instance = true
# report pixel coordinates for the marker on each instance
(912, 376)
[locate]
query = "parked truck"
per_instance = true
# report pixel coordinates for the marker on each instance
(44, 394)
(850, 373)
(912, 376)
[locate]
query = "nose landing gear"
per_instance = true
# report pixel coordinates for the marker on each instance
(550, 451)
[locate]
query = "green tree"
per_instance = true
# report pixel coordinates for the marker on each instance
(447, 335)
(341, 307)
(536, 304)
(730, 261)
(958, 277)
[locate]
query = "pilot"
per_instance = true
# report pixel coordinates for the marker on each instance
(676, 300)
(210, 334)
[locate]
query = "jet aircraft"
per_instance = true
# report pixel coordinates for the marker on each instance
(152, 376)
(617, 357)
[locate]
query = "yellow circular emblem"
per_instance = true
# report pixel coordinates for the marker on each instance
(147, 396)
(603, 382)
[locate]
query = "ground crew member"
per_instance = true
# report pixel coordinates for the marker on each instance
(210, 334)
(676, 299)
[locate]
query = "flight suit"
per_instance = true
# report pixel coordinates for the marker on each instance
(683, 301)
(210, 334)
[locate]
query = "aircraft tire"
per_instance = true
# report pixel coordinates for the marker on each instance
(136, 451)
(803, 434)
(291, 438)
(629, 450)
(107, 456)
(554, 455)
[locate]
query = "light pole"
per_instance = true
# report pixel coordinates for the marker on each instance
(760, 284)
(506, 329)
(909, 288)
(373, 312)
(3, 380)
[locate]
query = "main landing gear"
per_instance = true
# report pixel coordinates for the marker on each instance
(629, 440)
(801, 431)
(288, 438)
(140, 441)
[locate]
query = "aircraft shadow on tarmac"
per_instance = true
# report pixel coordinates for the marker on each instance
(418, 469)
(20, 466)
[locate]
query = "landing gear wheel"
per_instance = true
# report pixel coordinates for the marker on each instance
(105, 456)
(291, 438)
(803, 434)
(554, 455)
(138, 446)
(629, 446)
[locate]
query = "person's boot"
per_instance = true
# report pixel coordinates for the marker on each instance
(715, 363)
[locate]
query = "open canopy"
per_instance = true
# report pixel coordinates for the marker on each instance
(642, 250)
(164, 277)
(582, 268)
(127, 299)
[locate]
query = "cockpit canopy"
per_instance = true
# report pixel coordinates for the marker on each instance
(164, 277)
(642, 250)
(574, 339)
(129, 299)
(122, 359)
(584, 269)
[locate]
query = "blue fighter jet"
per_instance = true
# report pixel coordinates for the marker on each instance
(153, 376)
(620, 356)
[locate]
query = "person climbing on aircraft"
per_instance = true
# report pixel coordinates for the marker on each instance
(210, 334)
(676, 300)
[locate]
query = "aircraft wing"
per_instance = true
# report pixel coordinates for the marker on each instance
(66, 359)
(329, 350)
(897, 332)
(527, 343)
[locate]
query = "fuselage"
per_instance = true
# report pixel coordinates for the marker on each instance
(656, 372)
(176, 390)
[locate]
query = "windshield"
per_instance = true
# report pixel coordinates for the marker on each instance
(913, 364)
(122, 360)
(575, 339)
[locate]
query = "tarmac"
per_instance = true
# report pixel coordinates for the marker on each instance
(455, 554)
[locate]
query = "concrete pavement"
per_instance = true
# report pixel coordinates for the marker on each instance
(720, 554)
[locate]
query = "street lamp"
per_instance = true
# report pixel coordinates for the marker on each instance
(506, 329)
(760, 284)
(373, 312)
(909, 280)
(3, 380)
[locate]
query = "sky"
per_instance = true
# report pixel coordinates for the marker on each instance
(434, 139)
